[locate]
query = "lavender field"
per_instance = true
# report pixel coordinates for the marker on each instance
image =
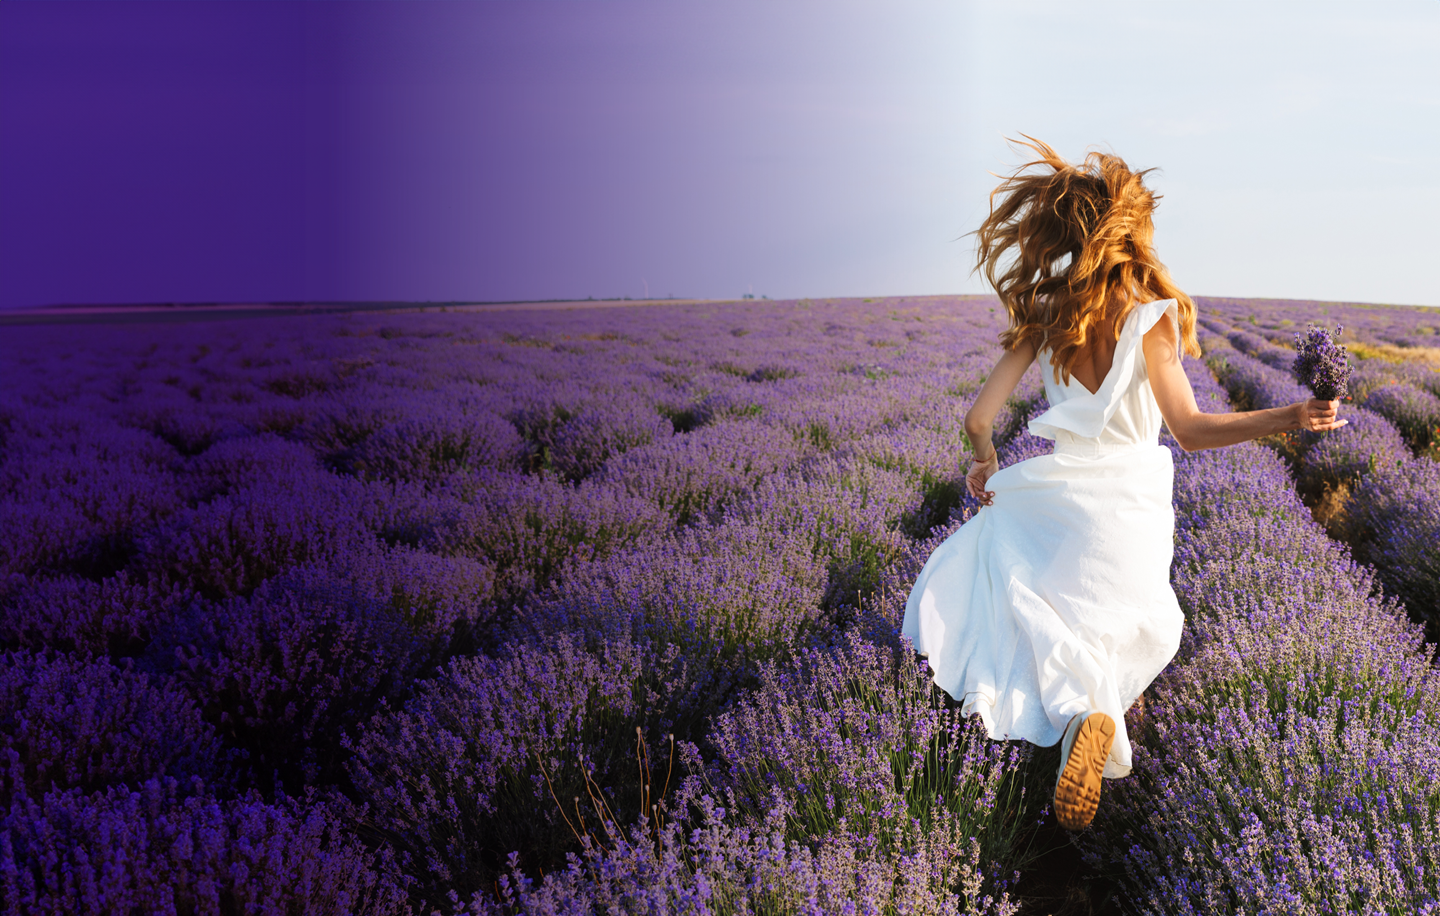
(597, 611)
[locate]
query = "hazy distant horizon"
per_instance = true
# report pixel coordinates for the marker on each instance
(338, 305)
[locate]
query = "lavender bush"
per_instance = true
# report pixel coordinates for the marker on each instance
(76, 492)
(1369, 375)
(587, 441)
(433, 443)
(1395, 524)
(858, 742)
(1252, 384)
(1343, 456)
(1414, 411)
(701, 473)
(471, 769)
(282, 671)
(704, 862)
(231, 545)
(72, 724)
(116, 616)
(523, 527)
(264, 460)
(745, 594)
(155, 849)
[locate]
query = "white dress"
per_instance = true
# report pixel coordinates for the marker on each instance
(1056, 599)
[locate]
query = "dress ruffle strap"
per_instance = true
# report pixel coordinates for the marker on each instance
(1085, 414)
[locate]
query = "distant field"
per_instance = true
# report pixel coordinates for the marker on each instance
(164, 312)
(570, 607)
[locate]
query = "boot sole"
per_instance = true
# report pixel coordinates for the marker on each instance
(1077, 793)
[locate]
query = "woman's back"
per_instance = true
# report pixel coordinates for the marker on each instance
(1116, 408)
(1093, 362)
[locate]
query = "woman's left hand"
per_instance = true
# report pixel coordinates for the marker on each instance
(1319, 416)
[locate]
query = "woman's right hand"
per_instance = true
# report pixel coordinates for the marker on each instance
(980, 472)
(1319, 416)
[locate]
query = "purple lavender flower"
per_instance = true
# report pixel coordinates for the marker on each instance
(1320, 364)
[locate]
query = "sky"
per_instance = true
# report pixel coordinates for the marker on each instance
(496, 150)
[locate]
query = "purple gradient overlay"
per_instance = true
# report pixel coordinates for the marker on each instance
(237, 152)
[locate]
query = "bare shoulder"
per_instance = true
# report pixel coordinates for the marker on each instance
(1162, 342)
(1025, 351)
(1163, 331)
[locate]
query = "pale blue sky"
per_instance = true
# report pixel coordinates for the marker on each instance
(1299, 142)
(242, 151)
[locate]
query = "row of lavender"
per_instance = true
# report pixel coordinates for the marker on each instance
(1287, 761)
(1383, 327)
(1373, 483)
(335, 615)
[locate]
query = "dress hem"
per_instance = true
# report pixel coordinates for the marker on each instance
(978, 704)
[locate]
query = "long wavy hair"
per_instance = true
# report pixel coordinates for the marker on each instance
(1069, 251)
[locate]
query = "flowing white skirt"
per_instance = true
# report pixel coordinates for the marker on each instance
(1056, 599)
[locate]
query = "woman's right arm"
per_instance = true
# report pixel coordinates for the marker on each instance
(980, 418)
(1195, 430)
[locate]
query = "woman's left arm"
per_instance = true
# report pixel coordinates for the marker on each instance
(1195, 430)
(980, 418)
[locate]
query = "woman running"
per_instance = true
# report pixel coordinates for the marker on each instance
(1050, 611)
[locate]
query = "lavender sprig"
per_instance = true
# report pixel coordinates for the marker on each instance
(1321, 364)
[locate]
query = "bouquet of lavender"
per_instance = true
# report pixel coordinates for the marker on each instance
(1320, 364)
